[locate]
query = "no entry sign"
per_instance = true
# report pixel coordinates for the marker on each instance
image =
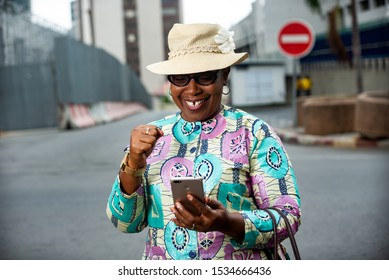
(296, 38)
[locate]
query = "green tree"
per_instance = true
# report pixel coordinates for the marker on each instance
(314, 5)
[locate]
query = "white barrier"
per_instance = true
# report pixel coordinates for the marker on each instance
(82, 116)
(119, 110)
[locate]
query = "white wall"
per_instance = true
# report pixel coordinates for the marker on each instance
(85, 22)
(109, 27)
(258, 84)
(150, 42)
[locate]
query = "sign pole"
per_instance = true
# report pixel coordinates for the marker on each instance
(294, 92)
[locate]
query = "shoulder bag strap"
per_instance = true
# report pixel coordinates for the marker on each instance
(290, 233)
(274, 222)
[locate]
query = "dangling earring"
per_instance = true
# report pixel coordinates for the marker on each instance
(226, 89)
(170, 92)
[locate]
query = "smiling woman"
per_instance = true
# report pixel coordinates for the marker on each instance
(240, 159)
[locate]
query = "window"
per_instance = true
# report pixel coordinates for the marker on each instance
(171, 11)
(379, 3)
(364, 5)
(349, 9)
(130, 13)
(131, 38)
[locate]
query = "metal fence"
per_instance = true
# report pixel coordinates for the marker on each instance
(42, 68)
(24, 37)
(88, 75)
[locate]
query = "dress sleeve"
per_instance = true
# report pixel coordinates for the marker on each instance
(273, 183)
(127, 212)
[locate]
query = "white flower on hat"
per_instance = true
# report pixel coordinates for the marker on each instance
(225, 41)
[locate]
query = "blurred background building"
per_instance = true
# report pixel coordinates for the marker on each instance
(331, 58)
(133, 31)
(257, 33)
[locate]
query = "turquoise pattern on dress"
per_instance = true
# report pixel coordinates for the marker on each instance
(154, 207)
(136, 225)
(115, 203)
(185, 132)
(276, 163)
(168, 120)
(208, 167)
(233, 196)
(262, 220)
(181, 243)
(233, 114)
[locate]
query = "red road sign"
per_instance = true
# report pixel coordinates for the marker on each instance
(296, 38)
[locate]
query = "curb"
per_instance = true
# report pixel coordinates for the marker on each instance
(351, 140)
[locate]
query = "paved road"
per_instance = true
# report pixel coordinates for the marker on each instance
(54, 186)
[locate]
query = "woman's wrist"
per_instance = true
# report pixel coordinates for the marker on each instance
(130, 169)
(129, 184)
(130, 163)
(234, 227)
(130, 177)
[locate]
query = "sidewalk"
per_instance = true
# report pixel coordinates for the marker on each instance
(280, 118)
(346, 140)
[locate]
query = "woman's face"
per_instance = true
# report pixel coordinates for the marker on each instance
(199, 102)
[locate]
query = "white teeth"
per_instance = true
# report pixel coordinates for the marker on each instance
(194, 104)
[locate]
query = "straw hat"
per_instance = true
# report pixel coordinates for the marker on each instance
(197, 48)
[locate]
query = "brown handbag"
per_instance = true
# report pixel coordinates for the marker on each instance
(290, 233)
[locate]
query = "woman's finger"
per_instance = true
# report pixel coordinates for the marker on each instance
(212, 203)
(182, 214)
(199, 205)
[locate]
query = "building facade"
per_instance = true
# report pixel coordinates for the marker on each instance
(257, 33)
(133, 31)
(136, 12)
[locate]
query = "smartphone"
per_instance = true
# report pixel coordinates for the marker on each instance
(181, 186)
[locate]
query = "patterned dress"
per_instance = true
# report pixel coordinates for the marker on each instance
(243, 165)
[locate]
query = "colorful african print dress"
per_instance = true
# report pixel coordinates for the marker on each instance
(243, 165)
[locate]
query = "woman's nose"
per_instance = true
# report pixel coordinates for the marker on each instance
(193, 87)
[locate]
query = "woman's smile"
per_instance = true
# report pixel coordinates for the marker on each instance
(195, 105)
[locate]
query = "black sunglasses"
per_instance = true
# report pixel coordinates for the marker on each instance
(203, 78)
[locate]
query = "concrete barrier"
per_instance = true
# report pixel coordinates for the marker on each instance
(372, 114)
(82, 115)
(98, 113)
(329, 115)
(119, 110)
(76, 116)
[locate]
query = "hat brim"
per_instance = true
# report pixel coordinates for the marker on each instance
(196, 63)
